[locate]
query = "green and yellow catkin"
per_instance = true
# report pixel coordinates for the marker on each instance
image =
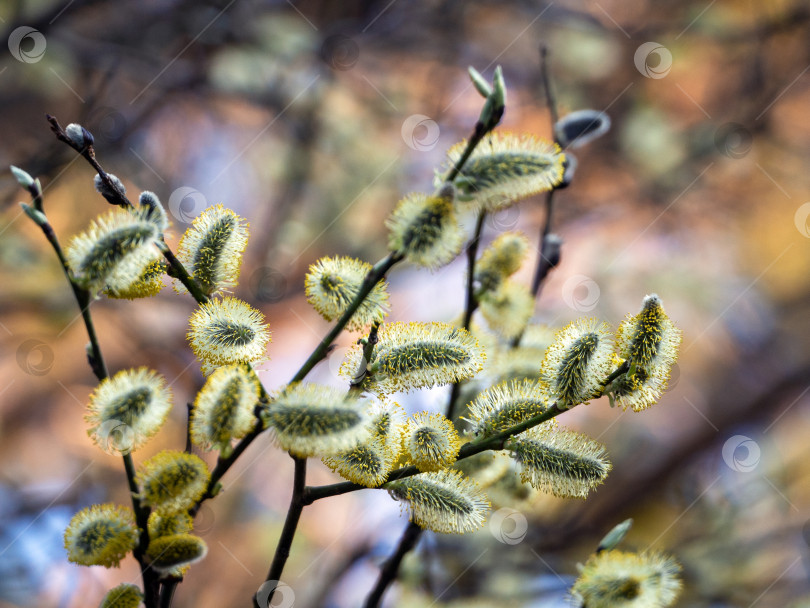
(500, 260)
(315, 420)
(124, 595)
(113, 252)
(559, 461)
(504, 405)
(331, 285)
(444, 501)
(101, 535)
(228, 331)
(370, 462)
(508, 308)
(166, 524)
(172, 481)
(128, 409)
(431, 441)
(224, 407)
(425, 230)
(615, 579)
(578, 362)
(367, 464)
(649, 343)
(408, 356)
(506, 168)
(211, 249)
(146, 285)
(168, 553)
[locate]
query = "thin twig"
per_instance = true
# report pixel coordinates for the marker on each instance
(290, 524)
(391, 567)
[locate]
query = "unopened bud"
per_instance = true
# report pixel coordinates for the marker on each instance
(81, 137)
(615, 536)
(479, 82)
(113, 197)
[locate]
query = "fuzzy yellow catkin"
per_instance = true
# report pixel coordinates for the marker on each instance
(101, 535)
(125, 595)
(146, 285)
(114, 251)
(408, 356)
(500, 260)
(211, 249)
(314, 420)
(224, 408)
(127, 409)
(431, 441)
(228, 331)
(615, 579)
(333, 282)
(504, 405)
(563, 462)
(508, 308)
(172, 481)
(506, 168)
(175, 551)
(649, 342)
(425, 230)
(578, 362)
(444, 501)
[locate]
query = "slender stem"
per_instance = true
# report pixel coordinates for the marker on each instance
(189, 409)
(374, 276)
(99, 368)
(179, 271)
(470, 301)
(388, 572)
(356, 385)
(551, 100)
(290, 524)
(167, 592)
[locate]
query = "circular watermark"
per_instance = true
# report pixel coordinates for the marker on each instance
(186, 203)
(34, 357)
(741, 453)
(268, 284)
(506, 219)
(281, 593)
(340, 52)
(581, 293)
(116, 436)
(802, 220)
(107, 124)
(653, 60)
(508, 526)
(27, 44)
(733, 140)
(420, 132)
(204, 520)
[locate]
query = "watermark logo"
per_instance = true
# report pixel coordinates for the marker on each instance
(116, 436)
(282, 594)
(733, 140)
(581, 293)
(186, 203)
(741, 453)
(340, 52)
(653, 60)
(504, 220)
(268, 284)
(34, 357)
(802, 220)
(420, 132)
(27, 44)
(508, 526)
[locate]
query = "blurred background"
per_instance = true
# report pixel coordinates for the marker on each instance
(311, 119)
